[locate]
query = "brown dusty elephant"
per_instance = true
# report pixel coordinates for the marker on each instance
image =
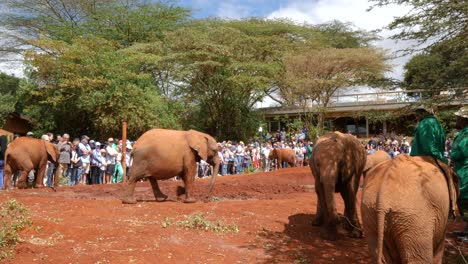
(283, 155)
(26, 154)
(375, 158)
(337, 163)
(405, 208)
(162, 154)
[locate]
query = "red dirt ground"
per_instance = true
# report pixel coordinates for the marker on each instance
(273, 212)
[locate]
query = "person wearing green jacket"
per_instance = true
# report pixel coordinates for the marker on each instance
(429, 136)
(459, 158)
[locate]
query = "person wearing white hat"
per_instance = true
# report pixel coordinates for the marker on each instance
(459, 157)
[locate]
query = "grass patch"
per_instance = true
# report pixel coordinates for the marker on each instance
(199, 221)
(14, 217)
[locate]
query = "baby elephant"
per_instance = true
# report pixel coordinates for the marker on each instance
(337, 163)
(405, 209)
(283, 155)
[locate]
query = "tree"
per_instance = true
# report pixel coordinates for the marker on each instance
(430, 21)
(313, 78)
(443, 66)
(91, 86)
(123, 21)
(8, 88)
(440, 30)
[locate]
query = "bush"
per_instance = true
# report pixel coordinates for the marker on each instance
(14, 218)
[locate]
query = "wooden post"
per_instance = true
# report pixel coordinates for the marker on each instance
(124, 151)
(367, 127)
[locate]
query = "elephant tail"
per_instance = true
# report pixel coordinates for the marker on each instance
(380, 234)
(380, 221)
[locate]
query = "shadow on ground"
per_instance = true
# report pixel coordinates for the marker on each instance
(300, 242)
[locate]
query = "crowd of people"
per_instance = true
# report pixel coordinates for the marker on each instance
(84, 161)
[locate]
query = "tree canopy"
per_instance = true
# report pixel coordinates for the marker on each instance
(8, 88)
(95, 63)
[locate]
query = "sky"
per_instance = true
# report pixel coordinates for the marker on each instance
(300, 11)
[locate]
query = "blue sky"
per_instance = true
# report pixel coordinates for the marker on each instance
(232, 9)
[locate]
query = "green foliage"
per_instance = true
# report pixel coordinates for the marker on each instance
(123, 21)
(440, 29)
(8, 88)
(443, 66)
(448, 120)
(92, 86)
(14, 218)
(432, 20)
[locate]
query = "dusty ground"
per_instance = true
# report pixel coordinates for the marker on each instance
(272, 212)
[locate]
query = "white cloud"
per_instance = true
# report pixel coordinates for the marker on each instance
(353, 11)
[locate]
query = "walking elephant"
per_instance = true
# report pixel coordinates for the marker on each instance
(405, 208)
(283, 155)
(26, 154)
(162, 154)
(374, 159)
(337, 163)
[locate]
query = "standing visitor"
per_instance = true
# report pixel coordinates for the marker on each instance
(459, 157)
(240, 152)
(96, 163)
(85, 154)
(118, 170)
(75, 164)
(111, 153)
(64, 158)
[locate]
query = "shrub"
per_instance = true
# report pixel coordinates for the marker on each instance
(14, 217)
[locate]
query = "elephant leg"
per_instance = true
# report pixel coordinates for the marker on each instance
(7, 177)
(280, 163)
(319, 217)
(160, 197)
(40, 176)
(188, 179)
(329, 230)
(129, 190)
(56, 176)
(22, 178)
(351, 221)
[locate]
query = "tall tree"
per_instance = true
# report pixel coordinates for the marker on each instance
(312, 78)
(430, 21)
(440, 31)
(9, 86)
(90, 86)
(123, 21)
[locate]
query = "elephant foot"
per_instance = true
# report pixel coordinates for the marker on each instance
(21, 185)
(329, 235)
(318, 221)
(189, 200)
(161, 197)
(128, 200)
(356, 233)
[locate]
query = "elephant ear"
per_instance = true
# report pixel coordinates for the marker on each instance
(51, 151)
(198, 142)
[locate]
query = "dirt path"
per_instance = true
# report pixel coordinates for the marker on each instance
(267, 219)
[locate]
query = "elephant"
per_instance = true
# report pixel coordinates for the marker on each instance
(405, 208)
(374, 159)
(337, 163)
(283, 155)
(162, 154)
(25, 154)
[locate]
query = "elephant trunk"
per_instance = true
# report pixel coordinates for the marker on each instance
(216, 162)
